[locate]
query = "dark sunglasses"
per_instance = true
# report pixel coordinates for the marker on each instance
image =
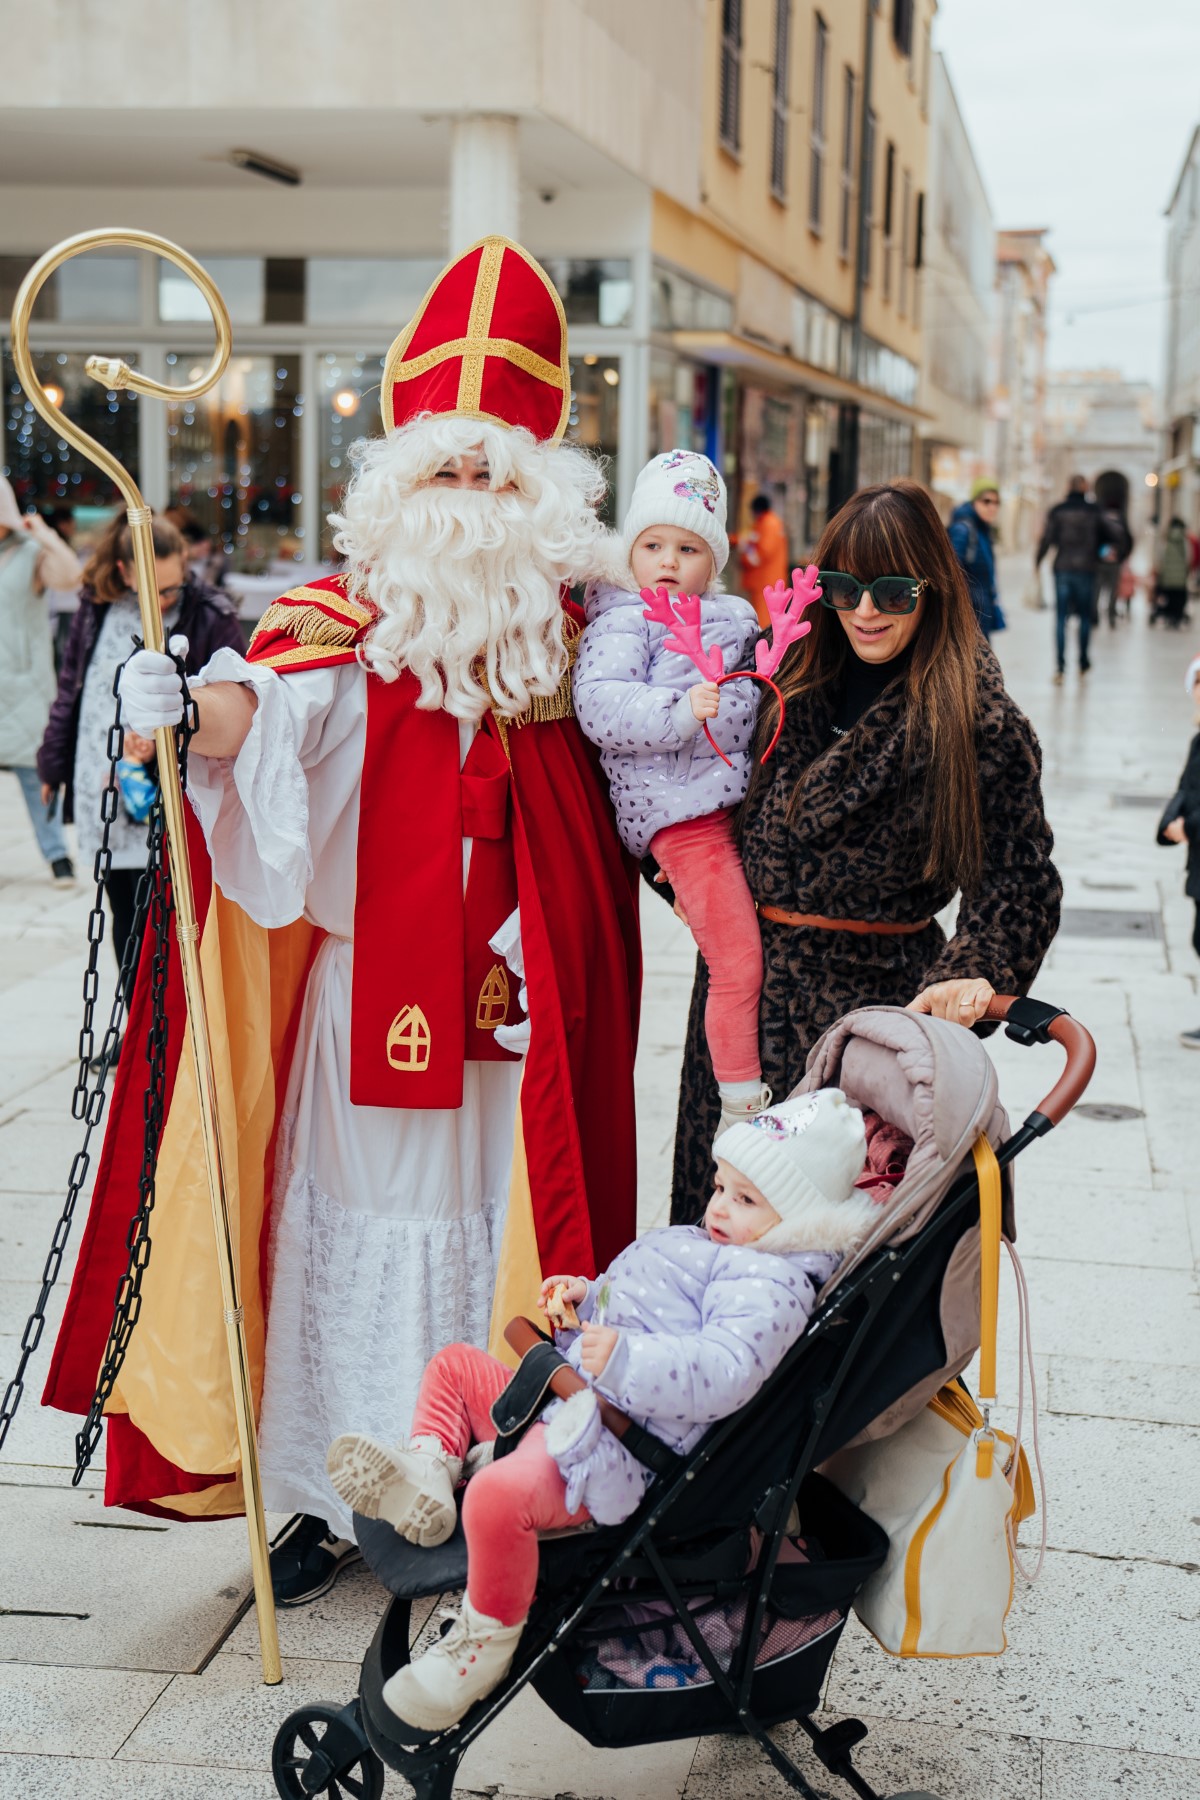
(890, 593)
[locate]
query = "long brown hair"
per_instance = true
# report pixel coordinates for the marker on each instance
(101, 573)
(895, 530)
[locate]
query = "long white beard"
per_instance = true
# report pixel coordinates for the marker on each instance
(469, 601)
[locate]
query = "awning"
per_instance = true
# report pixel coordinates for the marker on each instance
(774, 367)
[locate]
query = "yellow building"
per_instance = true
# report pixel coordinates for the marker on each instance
(808, 239)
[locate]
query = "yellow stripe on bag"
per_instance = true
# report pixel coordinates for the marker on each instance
(987, 1171)
(912, 1569)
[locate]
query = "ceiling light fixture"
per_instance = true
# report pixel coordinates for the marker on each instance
(257, 164)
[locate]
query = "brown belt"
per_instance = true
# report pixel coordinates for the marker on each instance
(861, 927)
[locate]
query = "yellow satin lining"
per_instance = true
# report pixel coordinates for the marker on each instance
(176, 1384)
(519, 1276)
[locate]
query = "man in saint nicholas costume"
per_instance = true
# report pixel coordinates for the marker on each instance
(420, 950)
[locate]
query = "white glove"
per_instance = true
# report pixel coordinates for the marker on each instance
(150, 689)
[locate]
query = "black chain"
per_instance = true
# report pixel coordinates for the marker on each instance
(152, 900)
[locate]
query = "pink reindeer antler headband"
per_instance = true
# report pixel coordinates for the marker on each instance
(784, 608)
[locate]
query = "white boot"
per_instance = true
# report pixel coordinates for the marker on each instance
(413, 1488)
(475, 1655)
(734, 1112)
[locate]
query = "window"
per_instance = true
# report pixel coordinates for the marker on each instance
(42, 467)
(926, 57)
(902, 26)
(779, 98)
(889, 209)
(232, 457)
(347, 387)
(905, 241)
(730, 124)
(846, 176)
(868, 193)
(816, 178)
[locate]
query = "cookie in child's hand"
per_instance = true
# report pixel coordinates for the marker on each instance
(559, 1310)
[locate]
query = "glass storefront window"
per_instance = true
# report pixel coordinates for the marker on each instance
(884, 449)
(88, 290)
(820, 440)
(348, 385)
(42, 467)
(772, 438)
(594, 417)
(368, 290)
(595, 291)
(241, 279)
(677, 304)
(233, 457)
(680, 400)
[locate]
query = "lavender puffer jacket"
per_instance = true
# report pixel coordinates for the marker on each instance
(702, 1325)
(631, 699)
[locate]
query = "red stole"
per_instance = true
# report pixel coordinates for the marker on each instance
(427, 990)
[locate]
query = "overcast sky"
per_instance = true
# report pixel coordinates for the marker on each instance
(1080, 112)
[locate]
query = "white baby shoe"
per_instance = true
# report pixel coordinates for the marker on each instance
(462, 1667)
(412, 1488)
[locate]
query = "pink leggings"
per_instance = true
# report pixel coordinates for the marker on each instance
(701, 862)
(508, 1502)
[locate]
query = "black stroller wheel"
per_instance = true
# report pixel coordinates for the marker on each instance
(321, 1750)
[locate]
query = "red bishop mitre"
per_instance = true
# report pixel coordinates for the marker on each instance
(489, 341)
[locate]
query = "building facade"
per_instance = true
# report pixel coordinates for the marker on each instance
(1179, 471)
(960, 276)
(1096, 423)
(728, 195)
(1015, 447)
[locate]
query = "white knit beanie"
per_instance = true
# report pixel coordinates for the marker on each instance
(682, 488)
(804, 1156)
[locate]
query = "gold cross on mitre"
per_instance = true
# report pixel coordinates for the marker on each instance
(491, 1008)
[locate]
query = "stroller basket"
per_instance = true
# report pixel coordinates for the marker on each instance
(620, 1684)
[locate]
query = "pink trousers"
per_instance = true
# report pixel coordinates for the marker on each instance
(701, 862)
(508, 1502)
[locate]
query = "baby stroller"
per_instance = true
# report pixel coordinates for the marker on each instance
(717, 1607)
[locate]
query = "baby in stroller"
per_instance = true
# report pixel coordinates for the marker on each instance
(682, 1330)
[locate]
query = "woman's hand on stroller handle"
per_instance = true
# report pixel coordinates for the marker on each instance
(963, 1002)
(1033, 1021)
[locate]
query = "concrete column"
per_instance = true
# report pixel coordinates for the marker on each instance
(484, 179)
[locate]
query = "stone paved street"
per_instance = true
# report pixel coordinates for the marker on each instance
(130, 1670)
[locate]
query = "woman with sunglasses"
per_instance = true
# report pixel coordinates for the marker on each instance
(904, 775)
(74, 752)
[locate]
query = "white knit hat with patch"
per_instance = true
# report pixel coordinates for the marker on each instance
(681, 488)
(805, 1156)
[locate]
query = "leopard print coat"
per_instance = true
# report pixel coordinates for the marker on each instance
(855, 850)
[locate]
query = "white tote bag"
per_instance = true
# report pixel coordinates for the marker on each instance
(950, 1490)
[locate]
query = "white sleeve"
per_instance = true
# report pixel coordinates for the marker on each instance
(255, 808)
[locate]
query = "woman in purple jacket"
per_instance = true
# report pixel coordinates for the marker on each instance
(682, 1330)
(74, 752)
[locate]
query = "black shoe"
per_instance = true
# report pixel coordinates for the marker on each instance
(307, 1560)
(1190, 1040)
(1084, 667)
(100, 1061)
(62, 870)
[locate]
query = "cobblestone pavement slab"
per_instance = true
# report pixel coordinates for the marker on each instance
(156, 1691)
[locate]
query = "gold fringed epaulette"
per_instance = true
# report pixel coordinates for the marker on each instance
(545, 708)
(310, 627)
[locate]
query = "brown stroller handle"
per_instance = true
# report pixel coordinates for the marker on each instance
(1032, 1021)
(522, 1334)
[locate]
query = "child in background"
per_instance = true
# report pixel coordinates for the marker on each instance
(681, 1331)
(642, 705)
(1180, 824)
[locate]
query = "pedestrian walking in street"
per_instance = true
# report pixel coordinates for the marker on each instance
(1171, 577)
(972, 528)
(1075, 531)
(683, 1329)
(1180, 824)
(72, 763)
(673, 793)
(904, 774)
(32, 559)
(763, 554)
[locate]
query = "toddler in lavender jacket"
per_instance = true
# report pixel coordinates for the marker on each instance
(682, 1330)
(641, 704)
